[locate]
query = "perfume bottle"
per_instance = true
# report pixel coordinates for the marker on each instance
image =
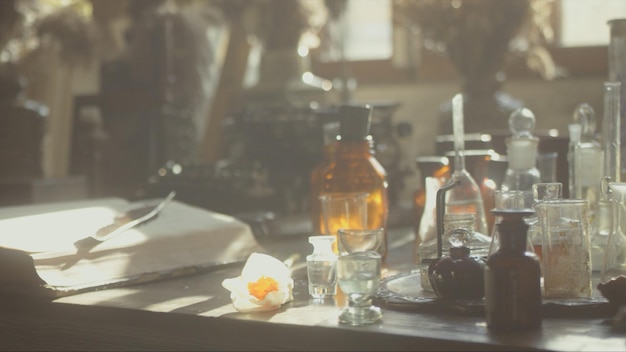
(466, 197)
(354, 168)
(513, 277)
(321, 267)
(522, 146)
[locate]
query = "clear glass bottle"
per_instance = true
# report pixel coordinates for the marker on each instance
(466, 197)
(322, 267)
(588, 158)
(513, 278)
(522, 147)
(477, 242)
(354, 168)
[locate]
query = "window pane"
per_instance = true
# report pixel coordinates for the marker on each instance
(583, 22)
(368, 34)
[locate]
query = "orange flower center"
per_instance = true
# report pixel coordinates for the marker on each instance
(262, 287)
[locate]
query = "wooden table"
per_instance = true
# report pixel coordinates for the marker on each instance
(195, 313)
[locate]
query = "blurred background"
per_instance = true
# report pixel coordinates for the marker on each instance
(230, 102)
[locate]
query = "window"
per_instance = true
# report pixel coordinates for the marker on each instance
(584, 23)
(378, 49)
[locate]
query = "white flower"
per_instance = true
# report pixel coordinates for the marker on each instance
(265, 284)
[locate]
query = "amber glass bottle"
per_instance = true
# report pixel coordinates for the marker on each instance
(354, 169)
(512, 277)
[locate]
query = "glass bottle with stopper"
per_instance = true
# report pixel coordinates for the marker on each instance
(321, 267)
(466, 197)
(588, 158)
(522, 148)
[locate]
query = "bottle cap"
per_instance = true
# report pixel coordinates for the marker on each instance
(322, 244)
(354, 122)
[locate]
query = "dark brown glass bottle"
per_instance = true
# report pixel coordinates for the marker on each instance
(354, 169)
(512, 277)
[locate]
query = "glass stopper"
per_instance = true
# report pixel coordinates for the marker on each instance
(586, 117)
(522, 122)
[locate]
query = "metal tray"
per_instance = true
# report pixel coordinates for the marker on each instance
(404, 292)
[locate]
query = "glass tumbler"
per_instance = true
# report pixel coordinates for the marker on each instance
(566, 249)
(358, 276)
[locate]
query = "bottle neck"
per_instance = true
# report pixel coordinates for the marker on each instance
(354, 147)
(512, 235)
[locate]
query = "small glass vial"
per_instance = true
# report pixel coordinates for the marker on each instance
(322, 267)
(513, 277)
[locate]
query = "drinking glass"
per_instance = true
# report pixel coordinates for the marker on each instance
(359, 240)
(358, 276)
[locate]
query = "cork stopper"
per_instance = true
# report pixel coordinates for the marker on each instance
(354, 122)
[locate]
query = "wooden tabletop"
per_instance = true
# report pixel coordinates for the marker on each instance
(195, 313)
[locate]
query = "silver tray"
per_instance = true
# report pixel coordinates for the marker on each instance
(404, 292)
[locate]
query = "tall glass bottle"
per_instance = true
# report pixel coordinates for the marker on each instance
(466, 197)
(522, 147)
(354, 169)
(588, 158)
(513, 278)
